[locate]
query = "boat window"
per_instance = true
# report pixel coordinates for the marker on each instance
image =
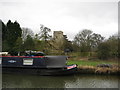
(27, 61)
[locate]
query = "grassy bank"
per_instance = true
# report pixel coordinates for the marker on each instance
(91, 62)
(90, 66)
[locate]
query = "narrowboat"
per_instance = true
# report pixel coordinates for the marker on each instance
(37, 63)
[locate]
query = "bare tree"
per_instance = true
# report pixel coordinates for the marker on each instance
(26, 32)
(87, 40)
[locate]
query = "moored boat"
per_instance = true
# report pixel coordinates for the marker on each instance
(41, 65)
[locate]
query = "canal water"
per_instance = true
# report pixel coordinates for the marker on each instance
(73, 81)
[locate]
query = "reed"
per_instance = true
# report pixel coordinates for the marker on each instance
(98, 70)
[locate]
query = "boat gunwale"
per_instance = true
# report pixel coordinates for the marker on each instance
(25, 56)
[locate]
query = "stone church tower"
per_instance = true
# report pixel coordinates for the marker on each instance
(58, 39)
(58, 36)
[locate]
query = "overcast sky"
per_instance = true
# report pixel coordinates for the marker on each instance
(69, 16)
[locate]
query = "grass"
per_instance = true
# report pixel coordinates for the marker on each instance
(88, 66)
(91, 62)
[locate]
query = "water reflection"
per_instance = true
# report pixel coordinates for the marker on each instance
(93, 81)
(74, 81)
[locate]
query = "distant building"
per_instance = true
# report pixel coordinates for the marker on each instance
(58, 37)
(58, 41)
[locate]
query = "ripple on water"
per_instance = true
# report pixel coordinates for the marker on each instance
(74, 81)
(93, 81)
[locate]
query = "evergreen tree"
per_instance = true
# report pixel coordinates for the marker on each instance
(5, 46)
(29, 43)
(18, 45)
(12, 33)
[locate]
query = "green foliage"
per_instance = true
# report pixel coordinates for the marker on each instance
(39, 45)
(118, 47)
(113, 42)
(29, 43)
(26, 32)
(109, 48)
(5, 46)
(16, 40)
(67, 45)
(83, 40)
(13, 32)
(4, 31)
(104, 50)
(44, 36)
(44, 33)
(18, 45)
(89, 63)
(96, 39)
(10, 33)
(84, 54)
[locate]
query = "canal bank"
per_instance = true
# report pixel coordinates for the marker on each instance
(86, 66)
(98, 70)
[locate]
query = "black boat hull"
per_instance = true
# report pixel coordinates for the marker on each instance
(40, 71)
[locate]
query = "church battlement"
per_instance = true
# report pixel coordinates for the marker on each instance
(58, 35)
